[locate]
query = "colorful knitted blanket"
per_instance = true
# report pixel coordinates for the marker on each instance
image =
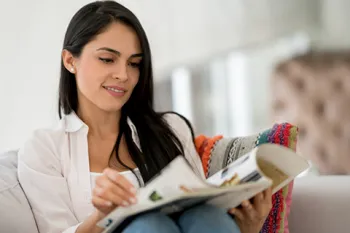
(216, 152)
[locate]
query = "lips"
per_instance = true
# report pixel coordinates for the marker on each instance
(115, 89)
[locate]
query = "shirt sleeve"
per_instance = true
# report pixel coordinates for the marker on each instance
(40, 175)
(183, 131)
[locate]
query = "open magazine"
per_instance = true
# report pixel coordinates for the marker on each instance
(177, 187)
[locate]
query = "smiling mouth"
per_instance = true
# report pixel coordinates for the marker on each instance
(115, 90)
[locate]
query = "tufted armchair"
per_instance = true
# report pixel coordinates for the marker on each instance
(312, 91)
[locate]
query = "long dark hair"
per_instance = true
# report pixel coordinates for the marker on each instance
(159, 143)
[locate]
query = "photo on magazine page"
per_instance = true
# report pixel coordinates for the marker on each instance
(241, 171)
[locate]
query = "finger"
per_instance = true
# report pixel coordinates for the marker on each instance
(185, 189)
(249, 210)
(258, 200)
(100, 203)
(237, 213)
(110, 196)
(108, 190)
(247, 205)
(268, 198)
(120, 180)
(105, 184)
(258, 197)
(262, 205)
(267, 193)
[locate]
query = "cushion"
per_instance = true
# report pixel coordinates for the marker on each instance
(312, 90)
(15, 211)
(216, 152)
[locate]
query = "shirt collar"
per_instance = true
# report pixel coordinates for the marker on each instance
(73, 124)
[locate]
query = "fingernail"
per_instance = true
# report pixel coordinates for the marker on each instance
(125, 203)
(245, 203)
(108, 203)
(133, 200)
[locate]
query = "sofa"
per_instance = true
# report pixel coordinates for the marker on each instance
(319, 204)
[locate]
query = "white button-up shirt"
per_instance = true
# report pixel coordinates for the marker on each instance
(54, 171)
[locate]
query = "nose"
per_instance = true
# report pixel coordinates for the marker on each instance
(120, 72)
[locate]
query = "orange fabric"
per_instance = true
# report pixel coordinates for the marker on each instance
(204, 146)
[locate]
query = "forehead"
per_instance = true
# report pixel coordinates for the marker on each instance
(120, 37)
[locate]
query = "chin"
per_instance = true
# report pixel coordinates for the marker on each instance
(112, 107)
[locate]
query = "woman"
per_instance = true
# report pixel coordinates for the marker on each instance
(109, 140)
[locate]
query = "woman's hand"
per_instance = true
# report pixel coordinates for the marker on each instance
(112, 190)
(252, 216)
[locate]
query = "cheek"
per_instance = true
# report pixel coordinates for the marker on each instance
(89, 78)
(134, 76)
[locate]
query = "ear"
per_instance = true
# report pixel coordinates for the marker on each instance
(68, 61)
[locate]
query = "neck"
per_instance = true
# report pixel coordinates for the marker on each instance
(101, 123)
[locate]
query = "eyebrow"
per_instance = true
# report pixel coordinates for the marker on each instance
(118, 53)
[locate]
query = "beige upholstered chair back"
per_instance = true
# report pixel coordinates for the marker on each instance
(312, 91)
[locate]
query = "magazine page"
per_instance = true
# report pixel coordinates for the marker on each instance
(177, 187)
(241, 171)
(266, 165)
(163, 193)
(280, 164)
(244, 178)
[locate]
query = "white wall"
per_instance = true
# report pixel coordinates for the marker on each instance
(181, 32)
(190, 31)
(31, 38)
(334, 18)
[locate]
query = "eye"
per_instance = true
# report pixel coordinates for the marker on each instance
(134, 64)
(106, 60)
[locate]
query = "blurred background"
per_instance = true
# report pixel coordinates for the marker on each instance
(213, 60)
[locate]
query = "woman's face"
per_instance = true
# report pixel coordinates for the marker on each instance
(107, 70)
